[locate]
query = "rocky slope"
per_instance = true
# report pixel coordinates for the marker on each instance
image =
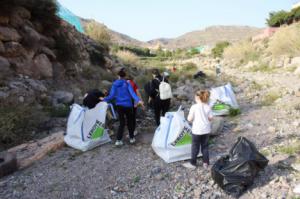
(45, 64)
(209, 36)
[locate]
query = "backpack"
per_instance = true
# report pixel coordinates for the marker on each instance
(165, 90)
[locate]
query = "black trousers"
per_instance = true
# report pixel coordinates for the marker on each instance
(197, 141)
(125, 114)
(134, 118)
(160, 108)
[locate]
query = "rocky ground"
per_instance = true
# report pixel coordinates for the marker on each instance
(135, 171)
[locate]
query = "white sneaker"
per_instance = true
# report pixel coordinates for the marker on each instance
(189, 165)
(119, 143)
(132, 141)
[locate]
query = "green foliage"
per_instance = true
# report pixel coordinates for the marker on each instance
(193, 51)
(139, 51)
(262, 68)
(234, 112)
(290, 149)
(18, 122)
(218, 50)
(276, 19)
(189, 66)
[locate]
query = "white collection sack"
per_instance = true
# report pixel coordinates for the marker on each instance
(172, 139)
(86, 127)
(224, 94)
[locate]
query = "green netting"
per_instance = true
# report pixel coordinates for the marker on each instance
(69, 17)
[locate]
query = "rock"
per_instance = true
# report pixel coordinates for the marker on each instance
(31, 37)
(9, 34)
(296, 123)
(43, 67)
(13, 49)
(217, 126)
(2, 49)
(106, 84)
(3, 95)
(295, 60)
(36, 85)
(155, 171)
(49, 53)
(296, 166)
(63, 97)
(4, 65)
(271, 129)
(18, 16)
(297, 71)
(21, 99)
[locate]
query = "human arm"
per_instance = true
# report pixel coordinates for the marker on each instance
(111, 95)
(191, 115)
(210, 115)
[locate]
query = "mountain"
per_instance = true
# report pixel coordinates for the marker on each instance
(209, 36)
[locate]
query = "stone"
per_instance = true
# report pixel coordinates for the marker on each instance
(296, 123)
(18, 16)
(21, 99)
(37, 85)
(106, 84)
(4, 64)
(8, 163)
(155, 171)
(9, 34)
(63, 97)
(31, 36)
(13, 49)
(43, 66)
(3, 95)
(217, 125)
(2, 49)
(271, 129)
(50, 54)
(295, 60)
(297, 71)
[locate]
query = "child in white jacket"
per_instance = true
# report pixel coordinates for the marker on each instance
(201, 116)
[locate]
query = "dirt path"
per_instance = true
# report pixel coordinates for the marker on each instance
(136, 172)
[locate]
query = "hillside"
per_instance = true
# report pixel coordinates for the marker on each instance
(116, 37)
(209, 36)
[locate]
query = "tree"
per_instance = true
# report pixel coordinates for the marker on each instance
(276, 19)
(218, 50)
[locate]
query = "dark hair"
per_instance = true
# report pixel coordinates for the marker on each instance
(129, 77)
(155, 72)
(203, 95)
(122, 73)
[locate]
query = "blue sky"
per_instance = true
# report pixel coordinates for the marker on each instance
(151, 19)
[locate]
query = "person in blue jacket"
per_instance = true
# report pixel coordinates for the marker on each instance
(123, 95)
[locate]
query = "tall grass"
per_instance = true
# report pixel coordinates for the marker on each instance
(242, 52)
(285, 41)
(128, 58)
(98, 32)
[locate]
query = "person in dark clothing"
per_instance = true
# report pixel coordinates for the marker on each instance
(123, 93)
(160, 106)
(92, 98)
(138, 93)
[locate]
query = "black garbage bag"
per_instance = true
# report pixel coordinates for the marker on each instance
(235, 172)
(199, 74)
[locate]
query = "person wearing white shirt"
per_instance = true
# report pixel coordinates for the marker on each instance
(201, 116)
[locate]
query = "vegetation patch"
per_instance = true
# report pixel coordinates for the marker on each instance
(270, 98)
(290, 149)
(218, 50)
(262, 68)
(128, 58)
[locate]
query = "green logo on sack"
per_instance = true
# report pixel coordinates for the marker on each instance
(184, 138)
(97, 131)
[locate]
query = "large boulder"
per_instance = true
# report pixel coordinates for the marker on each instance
(31, 37)
(43, 67)
(62, 97)
(48, 52)
(9, 34)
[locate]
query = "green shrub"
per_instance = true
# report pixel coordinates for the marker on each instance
(189, 66)
(98, 32)
(277, 19)
(218, 50)
(128, 57)
(234, 112)
(261, 68)
(18, 122)
(290, 149)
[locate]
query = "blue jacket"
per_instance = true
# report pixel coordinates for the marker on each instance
(123, 93)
